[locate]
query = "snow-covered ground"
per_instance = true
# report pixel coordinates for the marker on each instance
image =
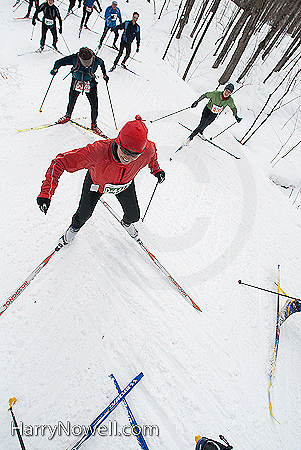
(100, 306)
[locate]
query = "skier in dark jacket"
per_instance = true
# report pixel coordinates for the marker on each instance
(218, 100)
(131, 32)
(112, 13)
(112, 165)
(84, 65)
(87, 11)
(51, 13)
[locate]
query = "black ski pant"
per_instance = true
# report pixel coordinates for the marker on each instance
(105, 30)
(86, 14)
(72, 4)
(30, 4)
(45, 28)
(127, 199)
(92, 97)
(127, 47)
(207, 118)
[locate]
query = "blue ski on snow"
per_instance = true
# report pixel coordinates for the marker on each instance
(135, 427)
(105, 413)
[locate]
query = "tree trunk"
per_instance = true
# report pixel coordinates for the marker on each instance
(204, 6)
(241, 46)
(213, 11)
(185, 16)
(232, 38)
(226, 30)
(260, 47)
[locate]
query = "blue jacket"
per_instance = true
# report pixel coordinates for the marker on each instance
(108, 16)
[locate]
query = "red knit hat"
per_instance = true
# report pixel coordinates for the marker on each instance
(133, 135)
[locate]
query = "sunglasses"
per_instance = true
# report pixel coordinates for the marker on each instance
(129, 152)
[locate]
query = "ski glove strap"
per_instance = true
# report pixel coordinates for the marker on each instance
(161, 176)
(44, 204)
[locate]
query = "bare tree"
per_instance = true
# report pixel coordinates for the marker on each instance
(184, 17)
(213, 11)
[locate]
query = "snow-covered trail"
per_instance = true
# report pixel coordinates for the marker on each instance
(100, 306)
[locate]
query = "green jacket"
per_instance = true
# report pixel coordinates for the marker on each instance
(216, 103)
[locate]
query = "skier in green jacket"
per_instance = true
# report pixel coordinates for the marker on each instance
(218, 100)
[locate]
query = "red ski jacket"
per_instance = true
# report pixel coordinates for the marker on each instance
(108, 174)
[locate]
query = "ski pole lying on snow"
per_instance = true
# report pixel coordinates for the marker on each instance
(40, 110)
(150, 201)
(12, 401)
(223, 130)
(176, 112)
(267, 290)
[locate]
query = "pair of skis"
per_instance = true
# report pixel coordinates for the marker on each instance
(292, 305)
(122, 393)
(157, 263)
(107, 411)
(206, 140)
(47, 125)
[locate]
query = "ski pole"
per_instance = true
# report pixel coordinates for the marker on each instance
(223, 130)
(267, 290)
(67, 74)
(32, 33)
(40, 110)
(66, 43)
(12, 401)
(150, 201)
(176, 112)
(111, 105)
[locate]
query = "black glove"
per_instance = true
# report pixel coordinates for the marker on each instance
(106, 78)
(44, 204)
(238, 118)
(137, 49)
(33, 22)
(161, 176)
(60, 30)
(194, 104)
(53, 71)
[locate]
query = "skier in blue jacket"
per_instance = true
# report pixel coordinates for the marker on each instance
(131, 32)
(87, 11)
(111, 15)
(84, 65)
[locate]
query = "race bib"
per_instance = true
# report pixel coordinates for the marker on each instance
(115, 188)
(82, 86)
(217, 109)
(49, 22)
(88, 9)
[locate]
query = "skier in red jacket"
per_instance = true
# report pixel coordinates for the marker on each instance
(112, 166)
